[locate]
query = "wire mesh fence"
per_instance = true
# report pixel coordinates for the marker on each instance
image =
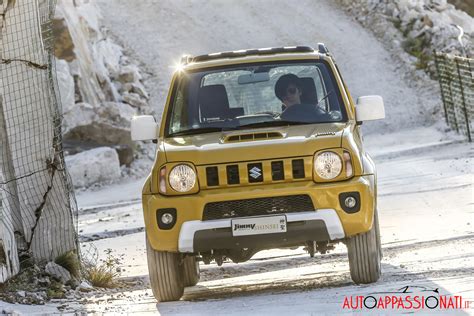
(455, 75)
(37, 207)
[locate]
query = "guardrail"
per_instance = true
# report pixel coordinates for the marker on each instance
(455, 75)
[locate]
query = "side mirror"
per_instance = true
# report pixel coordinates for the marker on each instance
(144, 127)
(369, 108)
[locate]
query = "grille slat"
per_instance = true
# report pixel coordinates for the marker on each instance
(233, 176)
(212, 176)
(278, 173)
(298, 168)
(258, 206)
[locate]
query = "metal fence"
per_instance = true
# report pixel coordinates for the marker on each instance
(455, 75)
(37, 205)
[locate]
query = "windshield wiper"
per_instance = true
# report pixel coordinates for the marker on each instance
(323, 98)
(200, 130)
(271, 123)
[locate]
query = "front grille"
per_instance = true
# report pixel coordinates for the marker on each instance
(259, 206)
(255, 172)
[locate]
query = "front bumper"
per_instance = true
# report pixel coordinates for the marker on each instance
(190, 210)
(200, 236)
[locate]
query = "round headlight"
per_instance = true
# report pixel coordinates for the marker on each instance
(182, 178)
(328, 165)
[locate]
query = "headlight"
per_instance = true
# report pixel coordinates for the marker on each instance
(182, 178)
(328, 165)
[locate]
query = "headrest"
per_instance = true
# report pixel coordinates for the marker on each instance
(213, 102)
(309, 94)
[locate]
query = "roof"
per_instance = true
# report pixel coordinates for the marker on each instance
(187, 59)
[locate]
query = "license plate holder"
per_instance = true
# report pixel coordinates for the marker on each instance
(259, 225)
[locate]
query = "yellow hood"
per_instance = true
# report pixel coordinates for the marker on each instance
(221, 147)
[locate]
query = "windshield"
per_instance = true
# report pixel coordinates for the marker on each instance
(257, 95)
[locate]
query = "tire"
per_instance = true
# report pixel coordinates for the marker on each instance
(365, 254)
(191, 271)
(166, 277)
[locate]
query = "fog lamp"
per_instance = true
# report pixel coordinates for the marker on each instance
(167, 218)
(350, 202)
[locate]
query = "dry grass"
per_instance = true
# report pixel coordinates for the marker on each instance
(105, 273)
(101, 277)
(70, 262)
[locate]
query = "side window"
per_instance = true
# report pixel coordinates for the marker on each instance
(320, 88)
(178, 115)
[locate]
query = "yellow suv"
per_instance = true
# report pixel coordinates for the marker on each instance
(258, 149)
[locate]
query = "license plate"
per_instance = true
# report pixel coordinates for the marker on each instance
(258, 225)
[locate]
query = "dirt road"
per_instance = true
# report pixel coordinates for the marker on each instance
(426, 216)
(159, 32)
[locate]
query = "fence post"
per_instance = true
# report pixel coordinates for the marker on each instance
(443, 97)
(466, 116)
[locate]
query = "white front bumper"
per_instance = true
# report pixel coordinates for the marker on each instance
(329, 216)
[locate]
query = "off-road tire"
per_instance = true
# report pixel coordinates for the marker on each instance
(166, 274)
(191, 270)
(365, 254)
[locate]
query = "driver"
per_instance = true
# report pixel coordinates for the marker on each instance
(288, 90)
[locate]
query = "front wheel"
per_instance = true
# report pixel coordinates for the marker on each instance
(365, 254)
(166, 277)
(192, 273)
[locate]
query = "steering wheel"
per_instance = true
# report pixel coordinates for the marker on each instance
(305, 113)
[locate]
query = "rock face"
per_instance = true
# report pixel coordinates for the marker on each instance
(94, 166)
(425, 25)
(65, 85)
(101, 88)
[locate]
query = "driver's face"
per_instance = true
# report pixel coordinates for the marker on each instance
(292, 96)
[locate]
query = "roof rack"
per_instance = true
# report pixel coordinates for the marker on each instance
(323, 49)
(246, 52)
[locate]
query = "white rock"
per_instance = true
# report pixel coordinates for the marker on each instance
(65, 84)
(129, 73)
(126, 87)
(58, 272)
(85, 286)
(110, 54)
(134, 100)
(105, 124)
(99, 165)
(462, 19)
(139, 88)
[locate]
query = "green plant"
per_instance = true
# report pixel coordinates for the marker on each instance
(55, 290)
(70, 262)
(417, 47)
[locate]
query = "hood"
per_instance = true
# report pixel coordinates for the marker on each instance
(253, 144)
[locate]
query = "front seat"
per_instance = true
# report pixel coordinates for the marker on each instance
(213, 103)
(309, 94)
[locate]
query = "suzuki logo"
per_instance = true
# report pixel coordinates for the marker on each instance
(255, 172)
